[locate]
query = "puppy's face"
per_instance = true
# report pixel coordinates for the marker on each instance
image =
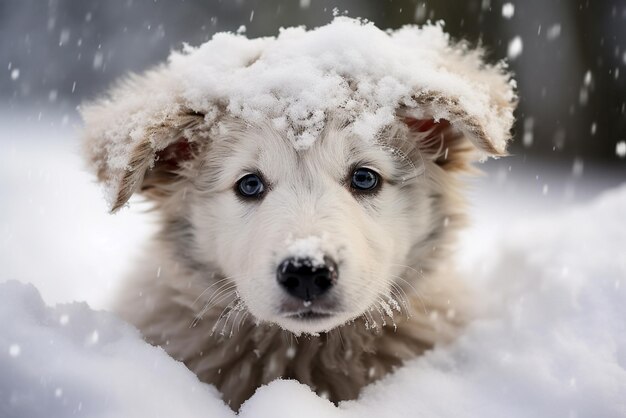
(311, 238)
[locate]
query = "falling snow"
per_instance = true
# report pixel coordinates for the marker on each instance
(588, 78)
(529, 124)
(508, 10)
(578, 168)
(98, 59)
(515, 47)
(64, 37)
(553, 32)
(14, 350)
(421, 11)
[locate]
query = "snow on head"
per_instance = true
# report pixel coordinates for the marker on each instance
(299, 77)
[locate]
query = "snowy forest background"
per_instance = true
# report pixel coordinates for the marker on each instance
(57, 53)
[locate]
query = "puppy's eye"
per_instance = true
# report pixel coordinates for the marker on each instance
(365, 180)
(250, 185)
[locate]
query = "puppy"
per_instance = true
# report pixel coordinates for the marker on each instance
(308, 189)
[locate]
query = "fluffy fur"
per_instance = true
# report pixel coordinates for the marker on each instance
(207, 290)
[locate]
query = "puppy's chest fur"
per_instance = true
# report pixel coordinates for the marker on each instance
(238, 355)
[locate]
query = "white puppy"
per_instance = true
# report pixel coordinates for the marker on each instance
(306, 217)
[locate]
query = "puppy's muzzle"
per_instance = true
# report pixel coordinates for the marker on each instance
(305, 278)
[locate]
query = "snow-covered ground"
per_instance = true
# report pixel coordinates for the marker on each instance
(55, 231)
(547, 248)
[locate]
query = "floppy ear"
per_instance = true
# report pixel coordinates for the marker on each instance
(444, 131)
(148, 159)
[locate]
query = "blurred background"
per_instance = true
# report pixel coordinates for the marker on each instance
(568, 56)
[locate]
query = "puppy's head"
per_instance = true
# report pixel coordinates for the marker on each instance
(311, 238)
(308, 236)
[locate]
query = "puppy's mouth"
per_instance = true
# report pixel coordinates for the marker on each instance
(309, 315)
(308, 311)
(312, 319)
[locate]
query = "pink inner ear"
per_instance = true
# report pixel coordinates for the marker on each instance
(174, 154)
(431, 136)
(426, 125)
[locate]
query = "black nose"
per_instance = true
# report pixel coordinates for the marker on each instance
(306, 279)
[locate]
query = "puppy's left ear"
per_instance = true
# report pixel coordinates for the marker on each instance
(140, 134)
(143, 160)
(453, 134)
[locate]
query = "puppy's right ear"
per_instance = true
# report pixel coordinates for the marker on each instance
(134, 146)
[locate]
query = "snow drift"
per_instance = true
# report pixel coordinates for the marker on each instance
(551, 342)
(293, 81)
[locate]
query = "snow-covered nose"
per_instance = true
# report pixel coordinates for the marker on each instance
(306, 279)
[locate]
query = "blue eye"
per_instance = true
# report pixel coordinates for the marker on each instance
(364, 179)
(251, 185)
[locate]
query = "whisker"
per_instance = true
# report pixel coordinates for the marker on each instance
(242, 320)
(209, 287)
(380, 312)
(225, 294)
(239, 308)
(420, 274)
(417, 293)
(221, 316)
(403, 298)
(218, 291)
